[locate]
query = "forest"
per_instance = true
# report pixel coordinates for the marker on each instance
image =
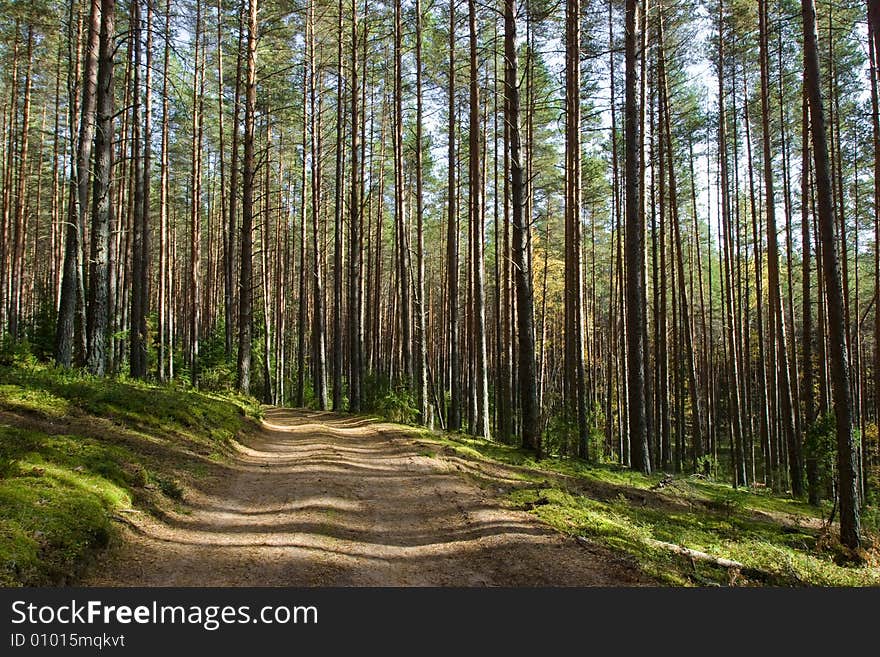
(635, 233)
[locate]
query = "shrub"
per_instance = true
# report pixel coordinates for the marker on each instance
(394, 403)
(820, 450)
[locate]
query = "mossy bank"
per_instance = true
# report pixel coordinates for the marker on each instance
(77, 451)
(778, 541)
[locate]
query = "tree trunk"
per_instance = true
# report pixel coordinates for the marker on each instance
(453, 422)
(640, 457)
(686, 318)
(195, 216)
(245, 286)
(874, 50)
(355, 297)
(338, 341)
(793, 442)
(99, 262)
(421, 354)
(574, 314)
(481, 383)
(730, 308)
(72, 278)
(164, 305)
(140, 252)
(319, 375)
(20, 228)
(808, 396)
(846, 470)
(528, 394)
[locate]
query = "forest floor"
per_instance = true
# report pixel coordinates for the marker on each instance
(118, 482)
(321, 499)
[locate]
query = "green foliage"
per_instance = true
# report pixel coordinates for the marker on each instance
(16, 352)
(216, 373)
(393, 402)
(42, 334)
(821, 445)
(398, 405)
(561, 437)
(707, 466)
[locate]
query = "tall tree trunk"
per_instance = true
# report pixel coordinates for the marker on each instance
(874, 50)
(793, 442)
(99, 262)
(640, 457)
(72, 278)
(164, 306)
(481, 383)
(140, 251)
(53, 281)
(20, 228)
(319, 375)
(574, 314)
(195, 216)
(528, 394)
(224, 215)
(401, 228)
(768, 448)
(302, 310)
(684, 302)
(732, 343)
(355, 297)
(421, 353)
(338, 340)
(246, 283)
(453, 422)
(846, 469)
(7, 182)
(808, 396)
(265, 258)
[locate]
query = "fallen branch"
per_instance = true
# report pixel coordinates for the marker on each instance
(721, 562)
(696, 555)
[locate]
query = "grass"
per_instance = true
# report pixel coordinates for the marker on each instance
(77, 450)
(779, 540)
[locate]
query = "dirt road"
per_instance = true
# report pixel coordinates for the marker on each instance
(320, 499)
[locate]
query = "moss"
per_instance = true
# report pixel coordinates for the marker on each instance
(783, 539)
(75, 450)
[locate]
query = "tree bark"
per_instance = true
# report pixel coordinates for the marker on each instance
(481, 383)
(640, 457)
(421, 352)
(72, 277)
(576, 405)
(140, 252)
(338, 247)
(319, 372)
(99, 262)
(528, 394)
(795, 460)
(850, 534)
(355, 296)
(19, 236)
(453, 422)
(245, 286)
(164, 305)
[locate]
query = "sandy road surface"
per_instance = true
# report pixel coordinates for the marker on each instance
(321, 499)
